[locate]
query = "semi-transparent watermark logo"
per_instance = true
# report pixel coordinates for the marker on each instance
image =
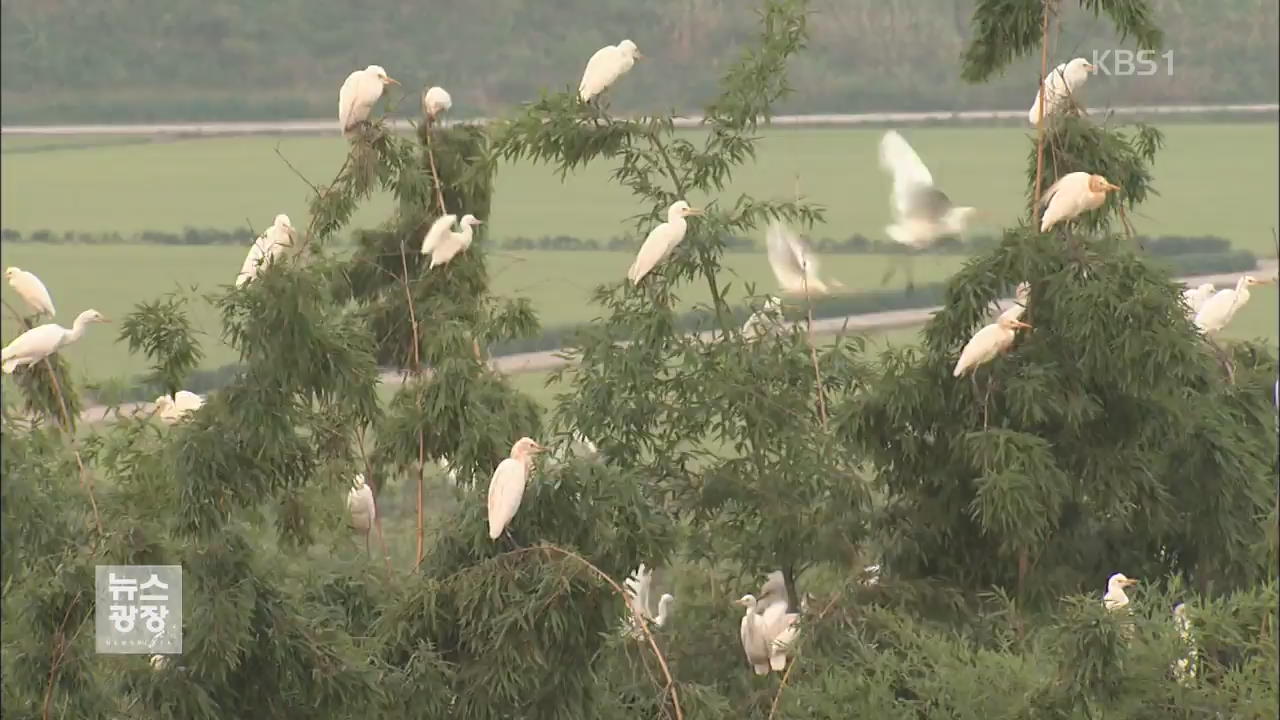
(138, 609)
(1122, 63)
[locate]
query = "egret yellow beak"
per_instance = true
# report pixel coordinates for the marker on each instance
(104, 319)
(638, 56)
(693, 211)
(538, 448)
(1131, 581)
(1109, 186)
(479, 222)
(1019, 323)
(390, 81)
(1091, 67)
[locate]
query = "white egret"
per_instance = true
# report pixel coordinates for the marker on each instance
(449, 470)
(766, 321)
(272, 243)
(173, 409)
(42, 341)
(921, 212)
(604, 68)
(1073, 194)
(443, 244)
(1184, 668)
(1021, 295)
(506, 487)
(1061, 86)
(638, 586)
(360, 92)
(361, 508)
(661, 241)
(765, 635)
(1217, 311)
(31, 290)
(987, 343)
(1116, 598)
(435, 101)
(793, 262)
(772, 592)
(1195, 297)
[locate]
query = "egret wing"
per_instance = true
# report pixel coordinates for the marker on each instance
(506, 488)
(439, 229)
(908, 170)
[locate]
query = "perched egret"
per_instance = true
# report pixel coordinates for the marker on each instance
(360, 92)
(1196, 297)
(361, 508)
(272, 243)
(506, 487)
(442, 243)
(1061, 86)
(435, 101)
(661, 241)
(1021, 295)
(765, 635)
(793, 262)
(1184, 668)
(1218, 310)
(1073, 194)
(607, 65)
(1116, 598)
(766, 321)
(173, 409)
(40, 342)
(922, 212)
(987, 343)
(31, 290)
(638, 589)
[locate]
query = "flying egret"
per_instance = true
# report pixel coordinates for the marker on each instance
(360, 92)
(661, 241)
(921, 212)
(42, 341)
(1021, 295)
(361, 508)
(31, 290)
(1184, 668)
(443, 244)
(793, 262)
(986, 344)
(1116, 598)
(1196, 297)
(1073, 194)
(272, 243)
(1061, 85)
(435, 101)
(506, 487)
(173, 409)
(765, 321)
(604, 68)
(1218, 310)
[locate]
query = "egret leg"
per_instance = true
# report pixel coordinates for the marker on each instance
(893, 269)
(511, 539)
(1225, 359)
(367, 551)
(910, 266)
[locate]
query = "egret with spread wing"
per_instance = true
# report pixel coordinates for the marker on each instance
(793, 262)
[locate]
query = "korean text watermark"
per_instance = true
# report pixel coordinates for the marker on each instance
(138, 609)
(1122, 63)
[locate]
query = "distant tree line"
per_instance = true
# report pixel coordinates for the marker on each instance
(854, 244)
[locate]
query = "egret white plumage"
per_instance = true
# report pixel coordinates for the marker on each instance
(1021, 295)
(793, 262)
(1196, 297)
(1184, 668)
(271, 244)
(361, 508)
(173, 409)
(443, 244)
(661, 241)
(765, 635)
(31, 290)
(638, 586)
(359, 93)
(435, 101)
(506, 487)
(1217, 311)
(605, 66)
(1061, 87)
(42, 341)
(987, 343)
(922, 213)
(773, 591)
(1073, 194)
(765, 321)
(1116, 598)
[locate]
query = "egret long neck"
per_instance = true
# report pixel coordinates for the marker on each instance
(77, 329)
(465, 236)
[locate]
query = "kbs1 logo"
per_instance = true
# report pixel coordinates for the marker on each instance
(1123, 63)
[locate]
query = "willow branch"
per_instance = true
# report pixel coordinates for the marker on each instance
(417, 370)
(59, 651)
(777, 697)
(1044, 70)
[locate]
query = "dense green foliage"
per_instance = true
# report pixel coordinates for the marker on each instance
(1111, 437)
(85, 60)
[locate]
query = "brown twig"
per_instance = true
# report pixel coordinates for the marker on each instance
(435, 175)
(377, 515)
(59, 651)
(1044, 69)
(417, 370)
(813, 349)
(777, 697)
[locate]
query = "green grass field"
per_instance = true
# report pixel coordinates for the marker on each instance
(1214, 179)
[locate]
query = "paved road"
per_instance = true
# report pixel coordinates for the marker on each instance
(546, 360)
(328, 126)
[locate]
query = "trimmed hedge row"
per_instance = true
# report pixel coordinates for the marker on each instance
(855, 244)
(869, 301)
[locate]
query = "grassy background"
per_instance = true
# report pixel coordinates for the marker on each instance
(1213, 179)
